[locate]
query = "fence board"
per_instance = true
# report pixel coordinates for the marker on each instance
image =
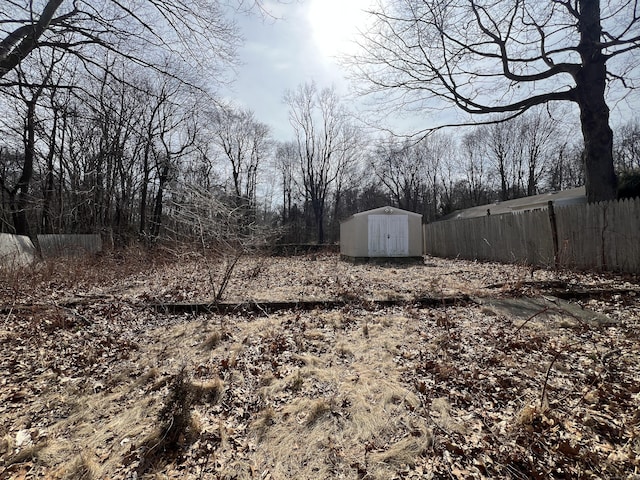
(602, 236)
(60, 245)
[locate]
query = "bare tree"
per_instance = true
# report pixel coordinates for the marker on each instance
(133, 29)
(627, 147)
(349, 173)
(167, 133)
(401, 169)
(521, 151)
(29, 93)
(286, 163)
(567, 170)
(539, 135)
(324, 141)
(245, 143)
(475, 168)
(504, 149)
(507, 56)
(437, 149)
(176, 137)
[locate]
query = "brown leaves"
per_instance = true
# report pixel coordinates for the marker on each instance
(361, 391)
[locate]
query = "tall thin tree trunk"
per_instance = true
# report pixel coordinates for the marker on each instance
(20, 193)
(144, 193)
(47, 208)
(156, 219)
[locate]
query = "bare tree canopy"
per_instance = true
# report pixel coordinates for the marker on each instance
(506, 56)
(327, 143)
(136, 29)
(245, 142)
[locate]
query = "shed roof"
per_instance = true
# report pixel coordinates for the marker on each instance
(565, 197)
(384, 210)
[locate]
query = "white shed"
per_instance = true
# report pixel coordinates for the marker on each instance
(385, 232)
(16, 250)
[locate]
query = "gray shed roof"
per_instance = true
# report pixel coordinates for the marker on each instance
(384, 210)
(566, 197)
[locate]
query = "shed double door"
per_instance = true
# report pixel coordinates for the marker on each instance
(388, 235)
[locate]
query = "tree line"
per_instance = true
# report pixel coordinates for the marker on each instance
(115, 158)
(118, 131)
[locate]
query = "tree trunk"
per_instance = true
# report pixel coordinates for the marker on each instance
(317, 205)
(504, 190)
(20, 193)
(531, 182)
(156, 219)
(144, 192)
(47, 208)
(320, 226)
(601, 181)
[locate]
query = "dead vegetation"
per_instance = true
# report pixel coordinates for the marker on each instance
(95, 384)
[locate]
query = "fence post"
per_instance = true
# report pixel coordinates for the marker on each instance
(554, 233)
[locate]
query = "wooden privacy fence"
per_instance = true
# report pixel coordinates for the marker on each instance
(602, 236)
(56, 245)
(19, 251)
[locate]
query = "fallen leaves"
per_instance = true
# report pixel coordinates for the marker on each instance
(360, 391)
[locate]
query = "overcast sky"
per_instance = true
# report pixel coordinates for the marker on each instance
(300, 45)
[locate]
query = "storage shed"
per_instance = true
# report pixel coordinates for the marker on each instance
(16, 250)
(385, 232)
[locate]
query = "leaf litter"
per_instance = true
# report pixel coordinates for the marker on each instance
(95, 384)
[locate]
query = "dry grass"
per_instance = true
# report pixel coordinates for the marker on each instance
(176, 428)
(212, 341)
(346, 404)
(79, 469)
(344, 393)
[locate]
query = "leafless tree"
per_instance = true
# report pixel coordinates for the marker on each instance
(176, 137)
(475, 167)
(324, 144)
(30, 91)
(521, 151)
(507, 56)
(135, 29)
(401, 169)
(539, 135)
(438, 149)
(627, 147)
(286, 161)
(245, 143)
(413, 173)
(504, 149)
(349, 174)
(567, 170)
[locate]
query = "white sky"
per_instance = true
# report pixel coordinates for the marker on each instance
(299, 46)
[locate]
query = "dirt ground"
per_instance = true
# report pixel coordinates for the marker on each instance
(515, 374)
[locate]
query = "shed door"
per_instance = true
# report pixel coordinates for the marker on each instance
(388, 235)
